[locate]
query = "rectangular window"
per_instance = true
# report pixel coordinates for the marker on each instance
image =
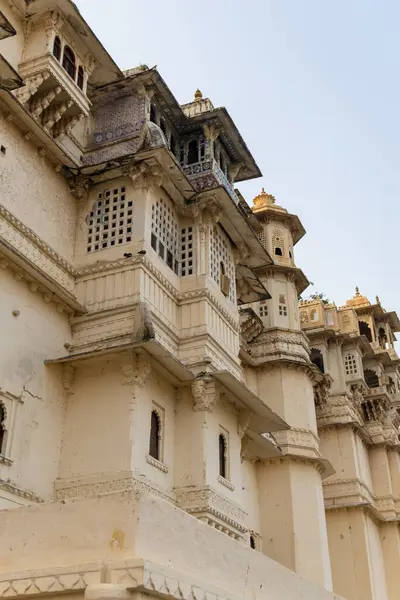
(350, 364)
(98, 221)
(263, 310)
(282, 310)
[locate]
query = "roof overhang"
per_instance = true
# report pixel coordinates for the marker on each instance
(295, 224)
(183, 124)
(6, 29)
(237, 227)
(9, 78)
(262, 418)
(253, 290)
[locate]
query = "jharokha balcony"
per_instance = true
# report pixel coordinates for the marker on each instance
(208, 174)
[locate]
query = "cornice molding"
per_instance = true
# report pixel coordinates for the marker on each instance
(11, 488)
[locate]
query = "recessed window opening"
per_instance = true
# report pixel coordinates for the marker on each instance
(193, 152)
(163, 127)
(155, 435)
(278, 251)
(2, 429)
(57, 48)
(317, 359)
(264, 310)
(382, 337)
(371, 378)
(222, 450)
(290, 254)
(80, 78)
(252, 542)
(3, 150)
(365, 330)
(153, 114)
(350, 364)
(69, 62)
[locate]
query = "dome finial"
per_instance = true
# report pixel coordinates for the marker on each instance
(198, 95)
(357, 291)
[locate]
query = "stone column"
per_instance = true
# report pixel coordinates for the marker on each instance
(135, 371)
(194, 408)
(292, 515)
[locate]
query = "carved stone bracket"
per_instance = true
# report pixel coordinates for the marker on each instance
(205, 392)
(136, 371)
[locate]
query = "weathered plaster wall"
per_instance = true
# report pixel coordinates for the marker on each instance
(356, 555)
(34, 193)
(24, 348)
(96, 431)
(148, 528)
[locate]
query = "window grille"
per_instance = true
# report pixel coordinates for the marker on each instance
(110, 221)
(155, 435)
(57, 48)
(187, 260)
(278, 242)
(220, 254)
(262, 236)
(164, 234)
(350, 364)
(69, 62)
(282, 310)
(222, 447)
(263, 310)
(80, 78)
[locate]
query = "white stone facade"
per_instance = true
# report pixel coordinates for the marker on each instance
(163, 430)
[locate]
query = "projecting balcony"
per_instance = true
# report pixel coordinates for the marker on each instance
(206, 175)
(51, 96)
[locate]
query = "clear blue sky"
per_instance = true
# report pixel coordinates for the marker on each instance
(314, 88)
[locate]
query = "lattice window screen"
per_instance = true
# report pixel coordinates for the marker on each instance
(187, 258)
(220, 252)
(110, 221)
(164, 233)
(278, 241)
(350, 364)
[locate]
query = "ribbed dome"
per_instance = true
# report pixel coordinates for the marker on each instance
(358, 300)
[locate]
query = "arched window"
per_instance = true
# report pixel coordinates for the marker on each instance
(2, 429)
(252, 542)
(69, 62)
(80, 78)
(278, 251)
(317, 359)
(193, 152)
(57, 48)
(155, 435)
(222, 455)
(153, 115)
(365, 330)
(371, 378)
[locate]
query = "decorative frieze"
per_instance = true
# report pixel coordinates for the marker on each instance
(209, 506)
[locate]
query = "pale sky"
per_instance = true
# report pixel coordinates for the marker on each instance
(313, 87)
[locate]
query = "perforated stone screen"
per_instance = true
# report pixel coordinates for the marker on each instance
(110, 221)
(220, 254)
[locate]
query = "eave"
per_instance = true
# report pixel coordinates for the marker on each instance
(9, 78)
(230, 136)
(295, 224)
(236, 226)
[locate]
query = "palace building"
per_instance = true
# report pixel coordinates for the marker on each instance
(174, 423)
